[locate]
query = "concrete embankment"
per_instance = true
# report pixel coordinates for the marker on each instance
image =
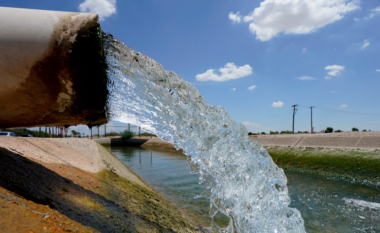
(76, 185)
(365, 140)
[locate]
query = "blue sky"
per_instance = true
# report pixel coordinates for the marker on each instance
(321, 53)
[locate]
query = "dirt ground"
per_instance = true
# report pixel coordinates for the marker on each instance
(74, 185)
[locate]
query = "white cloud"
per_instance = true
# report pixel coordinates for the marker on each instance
(236, 18)
(356, 19)
(374, 12)
(234, 89)
(343, 105)
(229, 71)
(304, 51)
(252, 87)
(365, 44)
(378, 70)
(278, 104)
(334, 70)
(306, 78)
(256, 127)
(296, 16)
(104, 8)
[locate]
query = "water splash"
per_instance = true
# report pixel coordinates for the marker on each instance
(244, 182)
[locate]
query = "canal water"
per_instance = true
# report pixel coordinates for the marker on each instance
(326, 205)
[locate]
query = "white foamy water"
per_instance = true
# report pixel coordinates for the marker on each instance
(245, 183)
(361, 203)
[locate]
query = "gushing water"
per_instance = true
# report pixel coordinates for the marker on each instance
(245, 183)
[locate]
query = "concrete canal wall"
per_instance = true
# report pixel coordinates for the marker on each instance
(370, 140)
(351, 140)
(76, 185)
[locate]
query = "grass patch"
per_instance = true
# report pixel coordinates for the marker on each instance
(350, 165)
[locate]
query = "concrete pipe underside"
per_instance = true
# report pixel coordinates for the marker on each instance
(52, 69)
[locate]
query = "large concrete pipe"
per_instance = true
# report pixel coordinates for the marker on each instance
(52, 69)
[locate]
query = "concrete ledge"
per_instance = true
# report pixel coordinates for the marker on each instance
(329, 142)
(288, 141)
(157, 143)
(369, 142)
(120, 142)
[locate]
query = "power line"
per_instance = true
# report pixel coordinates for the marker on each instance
(342, 111)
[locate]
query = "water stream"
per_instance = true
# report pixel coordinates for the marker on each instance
(326, 205)
(238, 176)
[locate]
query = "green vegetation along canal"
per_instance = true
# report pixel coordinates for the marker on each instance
(326, 205)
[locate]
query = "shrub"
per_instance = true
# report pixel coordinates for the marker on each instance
(329, 130)
(355, 129)
(305, 131)
(263, 133)
(286, 132)
(364, 130)
(127, 134)
(273, 132)
(338, 131)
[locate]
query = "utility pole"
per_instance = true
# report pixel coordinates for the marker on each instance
(311, 117)
(294, 113)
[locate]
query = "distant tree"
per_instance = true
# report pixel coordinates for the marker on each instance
(126, 134)
(305, 131)
(329, 130)
(250, 133)
(273, 132)
(338, 131)
(75, 133)
(364, 130)
(286, 132)
(299, 132)
(355, 129)
(263, 133)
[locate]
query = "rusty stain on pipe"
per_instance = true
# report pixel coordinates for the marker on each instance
(52, 69)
